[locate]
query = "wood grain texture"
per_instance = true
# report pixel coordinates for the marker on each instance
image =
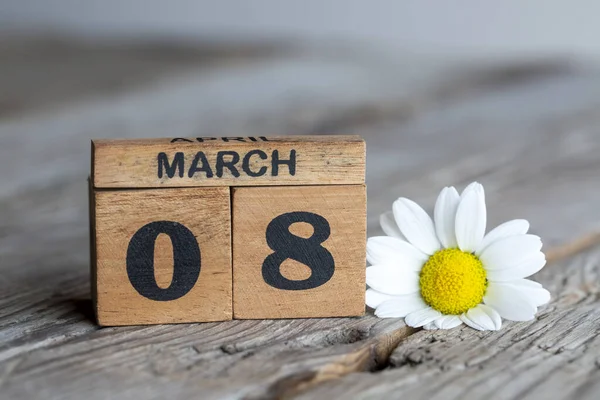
(527, 130)
(552, 357)
(230, 161)
(299, 251)
(162, 256)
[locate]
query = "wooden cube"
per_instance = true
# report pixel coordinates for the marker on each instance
(161, 228)
(162, 256)
(299, 251)
(262, 161)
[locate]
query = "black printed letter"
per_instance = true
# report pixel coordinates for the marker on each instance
(163, 162)
(291, 163)
(235, 157)
(246, 163)
(205, 166)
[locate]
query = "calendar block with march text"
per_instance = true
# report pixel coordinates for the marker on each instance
(206, 229)
(230, 161)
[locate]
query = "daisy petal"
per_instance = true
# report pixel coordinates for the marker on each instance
(416, 225)
(483, 318)
(394, 251)
(430, 326)
(486, 317)
(471, 323)
(389, 225)
(510, 252)
(444, 216)
(373, 298)
(533, 291)
(526, 268)
(509, 302)
(448, 322)
(526, 283)
(510, 228)
(390, 279)
(471, 218)
(416, 319)
(400, 306)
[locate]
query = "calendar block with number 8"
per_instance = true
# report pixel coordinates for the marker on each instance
(209, 229)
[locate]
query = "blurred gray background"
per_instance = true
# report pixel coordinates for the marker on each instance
(444, 92)
(72, 70)
(470, 27)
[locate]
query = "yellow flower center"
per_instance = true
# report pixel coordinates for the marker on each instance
(453, 281)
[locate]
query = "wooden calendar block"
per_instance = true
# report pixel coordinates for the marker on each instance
(161, 228)
(299, 251)
(228, 161)
(161, 255)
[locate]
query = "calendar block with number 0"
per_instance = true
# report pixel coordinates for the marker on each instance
(210, 229)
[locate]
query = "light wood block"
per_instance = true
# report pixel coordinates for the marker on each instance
(299, 251)
(250, 161)
(161, 256)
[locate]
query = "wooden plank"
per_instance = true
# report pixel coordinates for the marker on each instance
(553, 357)
(229, 161)
(162, 256)
(299, 251)
(234, 359)
(535, 154)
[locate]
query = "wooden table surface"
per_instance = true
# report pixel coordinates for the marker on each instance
(528, 130)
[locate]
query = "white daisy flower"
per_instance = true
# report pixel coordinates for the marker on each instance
(440, 274)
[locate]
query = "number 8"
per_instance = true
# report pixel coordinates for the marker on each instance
(307, 251)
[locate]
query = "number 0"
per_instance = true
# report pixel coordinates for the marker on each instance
(186, 261)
